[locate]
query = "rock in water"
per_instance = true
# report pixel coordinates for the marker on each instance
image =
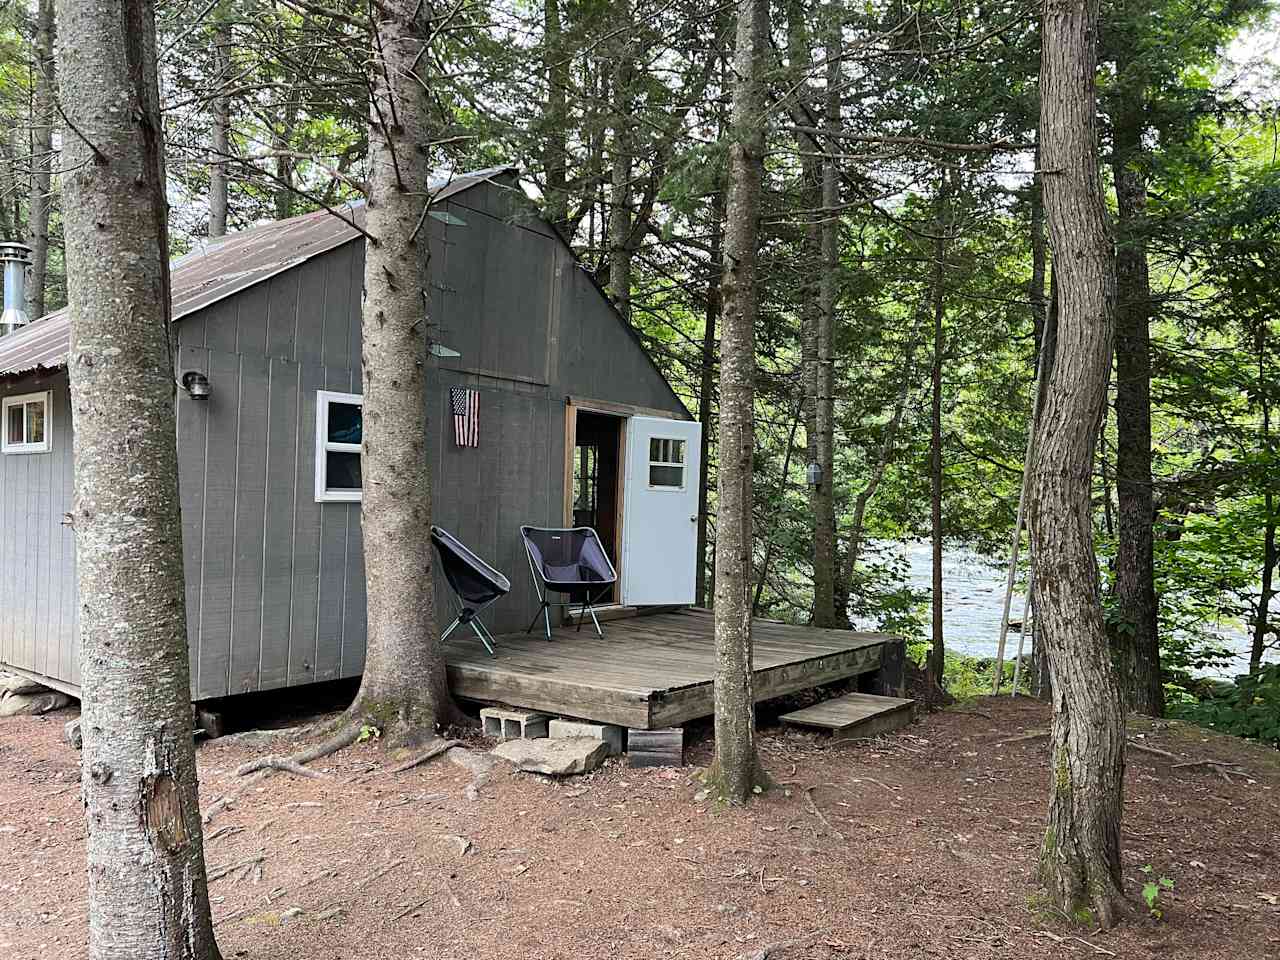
(33, 704)
(554, 756)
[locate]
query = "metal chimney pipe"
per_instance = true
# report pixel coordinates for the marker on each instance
(15, 257)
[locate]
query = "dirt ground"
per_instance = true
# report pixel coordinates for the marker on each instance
(921, 844)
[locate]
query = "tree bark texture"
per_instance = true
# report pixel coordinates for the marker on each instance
(1270, 554)
(404, 689)
(823, 503)
(937, 650)
(620, 191)
(220, 117)
(736, 769)
(706, 391)
(1080, 857)
(148, 896)
(42, 115)
(555, 65)
(1135, 636)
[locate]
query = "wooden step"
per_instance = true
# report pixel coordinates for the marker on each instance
(855, 715)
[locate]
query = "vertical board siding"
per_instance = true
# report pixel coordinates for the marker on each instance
(193, 427)
(305, 574)
(38, 591)
(250, 522)
(277, 553)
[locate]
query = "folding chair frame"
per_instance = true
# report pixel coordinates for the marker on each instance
(544, 611)
(471, 616)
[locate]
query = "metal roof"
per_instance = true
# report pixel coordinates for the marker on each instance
(219, 268)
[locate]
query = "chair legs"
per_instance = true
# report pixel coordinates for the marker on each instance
(477, 625)
(544, 611)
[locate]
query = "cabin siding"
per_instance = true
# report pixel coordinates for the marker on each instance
(38, 608)
(274, 580)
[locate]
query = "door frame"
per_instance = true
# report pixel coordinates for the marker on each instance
(624, 412)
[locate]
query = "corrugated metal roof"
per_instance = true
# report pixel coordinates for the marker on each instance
(220, 268)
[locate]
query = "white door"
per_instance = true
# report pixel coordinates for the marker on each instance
(660, 511)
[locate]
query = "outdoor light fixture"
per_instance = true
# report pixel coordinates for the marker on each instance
(196, 384)
(813, 475)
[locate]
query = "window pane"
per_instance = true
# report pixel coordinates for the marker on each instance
(655, 449)
(35, 422)
(342, 471)
(675, 453)
(666, 476)
(345, 423)
(14, 425)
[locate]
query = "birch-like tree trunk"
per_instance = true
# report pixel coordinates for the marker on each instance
(937, 650)
(736, 771)
(404, 689)
(220, 117)
(42, 115)
(1135, 637)
(1080, 857)
(147, 892)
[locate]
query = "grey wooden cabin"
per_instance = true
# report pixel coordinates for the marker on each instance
(575, 423)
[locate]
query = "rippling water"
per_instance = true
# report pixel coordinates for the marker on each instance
(973, 598)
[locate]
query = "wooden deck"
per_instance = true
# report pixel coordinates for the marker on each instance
(653, 671)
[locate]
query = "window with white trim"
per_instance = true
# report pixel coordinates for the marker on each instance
(339, 430)
(666, 463)
(27, 428)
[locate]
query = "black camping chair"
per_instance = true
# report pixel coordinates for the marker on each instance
(475, 584)
(569, 561)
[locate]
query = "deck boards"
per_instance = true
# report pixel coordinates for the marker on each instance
(649, 672)
(854, 715)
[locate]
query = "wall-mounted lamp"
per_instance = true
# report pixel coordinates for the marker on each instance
(196, 384)
(813, 475)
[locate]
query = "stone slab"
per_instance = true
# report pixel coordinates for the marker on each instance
(554, 757)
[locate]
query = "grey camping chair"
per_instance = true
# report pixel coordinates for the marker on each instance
(569, 561)
(475, 584)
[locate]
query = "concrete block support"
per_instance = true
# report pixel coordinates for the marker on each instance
(608, 732)
(513, 724)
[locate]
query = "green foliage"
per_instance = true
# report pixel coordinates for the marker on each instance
(1153, 890)
(1248, 708)
(369, 732)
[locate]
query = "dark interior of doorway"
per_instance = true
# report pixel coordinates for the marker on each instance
(596, 486)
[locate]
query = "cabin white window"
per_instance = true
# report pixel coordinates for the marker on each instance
(339, 430)
(666, 463)
(27, 428)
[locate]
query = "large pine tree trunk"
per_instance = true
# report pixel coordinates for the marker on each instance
(1080, 858)
(42, 115)
(1135, 637)
(147, 892)
(1270, 553)
(736, 769)
(937, 650)
(620, 189)
(404, 689)
(555, 151)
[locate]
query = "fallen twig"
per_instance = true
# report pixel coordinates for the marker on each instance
(1154, 751)
(431, 753)
(226, 831)
(1034, 735)
(813, 808)
(408, 910)
(219, 872)
(765, 953)
(379, 874)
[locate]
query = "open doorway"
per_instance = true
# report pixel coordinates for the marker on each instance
(595, 476)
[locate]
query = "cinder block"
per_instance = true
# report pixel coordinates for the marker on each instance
(608, 732)
(513, 724)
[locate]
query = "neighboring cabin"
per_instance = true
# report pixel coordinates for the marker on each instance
(575, 424)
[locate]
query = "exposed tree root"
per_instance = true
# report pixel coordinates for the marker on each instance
(480, 765)
(432, 752)
(283, 764)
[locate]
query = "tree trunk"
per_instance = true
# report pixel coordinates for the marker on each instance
(1042, 681)
(1270, 554)
(42, 114)
(824, 517)
(148, 896)
(1080, 858)
(620, 192)
(219, 110)
(555, 64)
(937, 651)
(404, 689)
(1135, 637)
(736, 769)
(706, 390)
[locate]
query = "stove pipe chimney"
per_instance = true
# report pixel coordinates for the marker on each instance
(15, 257)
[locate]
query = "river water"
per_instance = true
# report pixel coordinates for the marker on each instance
(973, 599)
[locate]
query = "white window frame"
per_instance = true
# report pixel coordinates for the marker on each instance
(684, 466)
(45, 445)
(325, 446)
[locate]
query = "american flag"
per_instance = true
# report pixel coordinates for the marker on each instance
(466, 416)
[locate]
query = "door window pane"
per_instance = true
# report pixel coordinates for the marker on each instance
(666, 476)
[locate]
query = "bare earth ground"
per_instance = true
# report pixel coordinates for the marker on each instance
(921, 844)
